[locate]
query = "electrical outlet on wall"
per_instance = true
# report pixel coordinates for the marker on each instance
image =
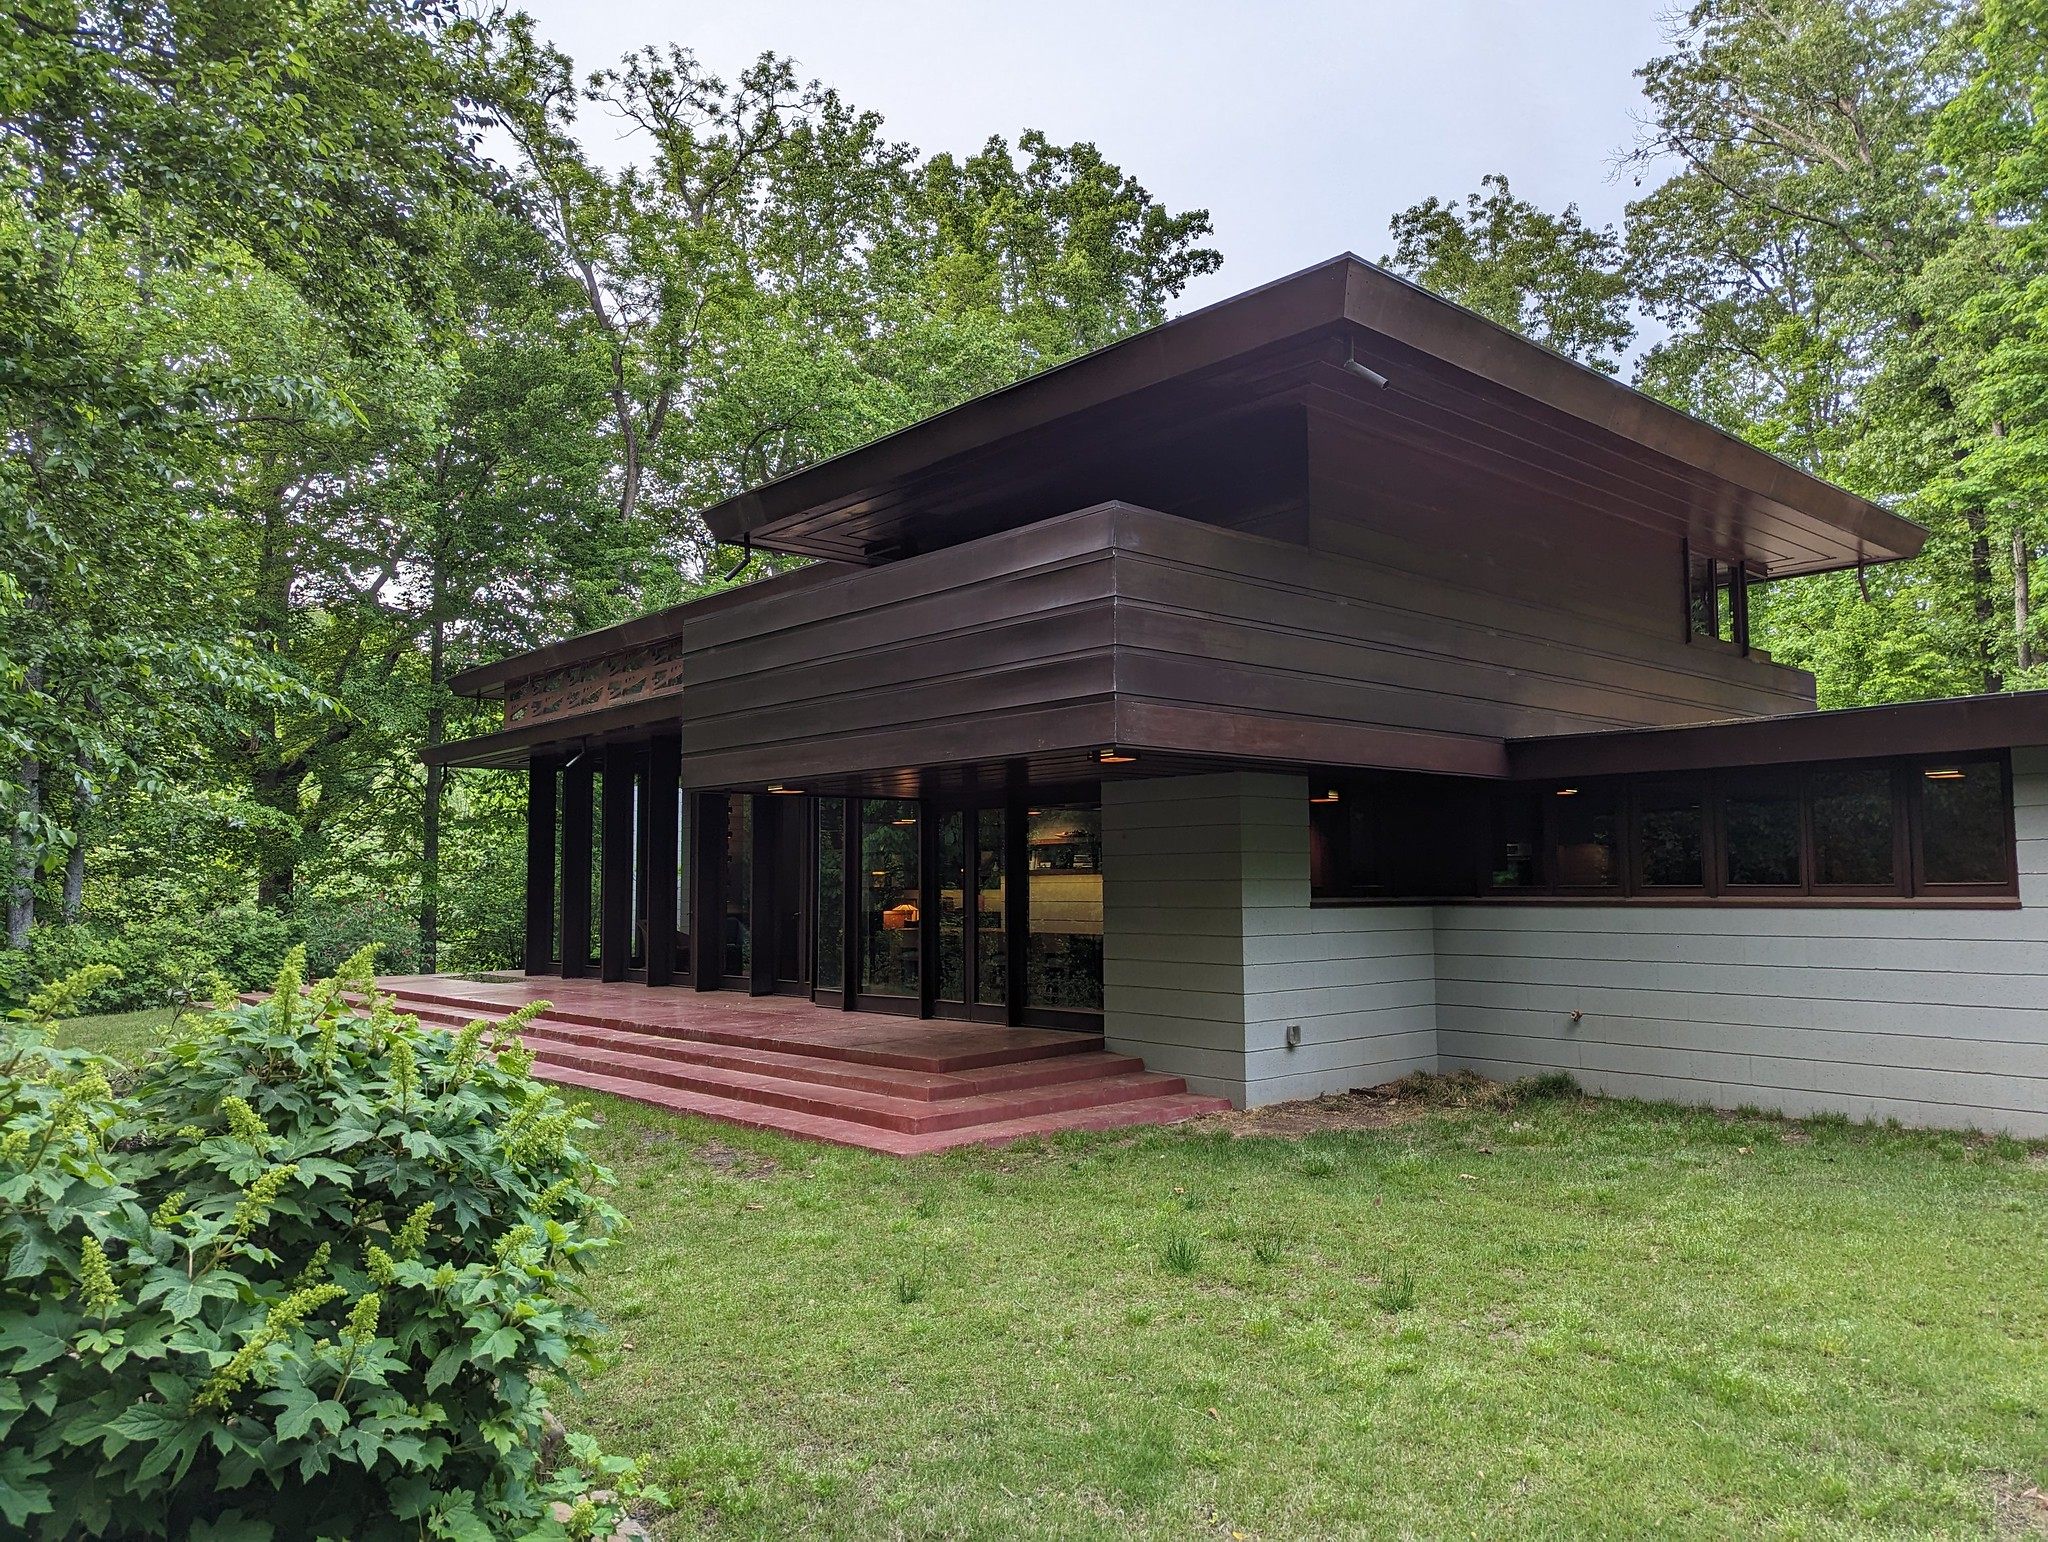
(1294, 1036)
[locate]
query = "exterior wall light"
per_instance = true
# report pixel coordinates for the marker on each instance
(1112, 756)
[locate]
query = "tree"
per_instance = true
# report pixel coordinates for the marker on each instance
(152, 154)
(1550, 277)
(779, 280)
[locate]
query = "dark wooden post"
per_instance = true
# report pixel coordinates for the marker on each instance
(707, 890)
(576, 850)
(615, 869)
(540, 866)
(664, 770)
(761, 955)
(854, 868)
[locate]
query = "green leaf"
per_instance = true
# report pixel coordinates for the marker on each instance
(22, 1491)
(37, 1340)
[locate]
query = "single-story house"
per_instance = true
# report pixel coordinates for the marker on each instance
(1322, 686)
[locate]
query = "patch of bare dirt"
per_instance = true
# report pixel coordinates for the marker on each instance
(2018, 1508)
(738, 1164)
(1378, 1108)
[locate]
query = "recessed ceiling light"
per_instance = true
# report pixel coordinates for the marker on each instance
(1110, 755)
(1567, 792)
(1946, 774)
(1324, 797)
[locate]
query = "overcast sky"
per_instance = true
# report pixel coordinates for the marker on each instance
(1302, 128)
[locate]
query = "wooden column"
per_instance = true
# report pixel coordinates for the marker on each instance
(761, 919)
(615, 870)
(707, 890)
(664, 768)
(576, 851)
(540, 866)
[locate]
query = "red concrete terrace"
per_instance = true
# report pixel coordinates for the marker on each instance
(868, 1079)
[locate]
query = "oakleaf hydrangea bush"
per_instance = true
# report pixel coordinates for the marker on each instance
(302, 1274)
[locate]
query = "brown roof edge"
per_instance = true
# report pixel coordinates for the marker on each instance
(1386, 303)
(1300, 302)
(1344, 289)
(655, 626)
(1950, 725)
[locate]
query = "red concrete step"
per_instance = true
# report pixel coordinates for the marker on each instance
(858, 1079)
(839, 1132)
(910, 1044)
(909, 1116)
(930, 1086)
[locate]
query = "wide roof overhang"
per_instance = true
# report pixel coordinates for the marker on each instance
(1458, 384)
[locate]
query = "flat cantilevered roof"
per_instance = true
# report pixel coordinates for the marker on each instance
(1456, 380)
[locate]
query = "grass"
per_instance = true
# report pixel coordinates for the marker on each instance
(127, 1035)
(1567, 1318)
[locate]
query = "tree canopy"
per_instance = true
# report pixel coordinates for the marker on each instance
(312, 397)
(1836, 253)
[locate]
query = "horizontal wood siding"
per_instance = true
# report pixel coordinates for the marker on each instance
(1935, 1017)
(1532, 580)
(983, 651)
(1211, 949)
(1226, 622)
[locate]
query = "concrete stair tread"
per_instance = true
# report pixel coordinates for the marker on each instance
(840, 1132)
(910, 1115)
(872, 1080)
(907, 1043)
(889, 1081)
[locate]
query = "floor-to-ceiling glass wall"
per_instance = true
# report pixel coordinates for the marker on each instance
(828, 949)
(737, 892)
(890, 911)
(1063, 909)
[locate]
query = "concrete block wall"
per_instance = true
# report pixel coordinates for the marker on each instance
(1929, 1016)
(1211, 949)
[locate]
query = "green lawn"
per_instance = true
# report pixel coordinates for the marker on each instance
(126, 1034)
(1622, 1318)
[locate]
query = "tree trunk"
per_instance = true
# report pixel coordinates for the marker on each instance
(21, 887)
(2022, 600)
(437, 781)
(1983, 595)
(276, 867)
(82, 801)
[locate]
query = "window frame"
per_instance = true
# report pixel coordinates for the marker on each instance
(1549, 867)
(1638, 865)
(1909, 887)
(1901, 886)
(1798, 781)
(1720, 572)
(1915, 772)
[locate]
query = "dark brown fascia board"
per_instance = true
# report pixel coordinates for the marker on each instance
(1344, 289)
(1390, 305)
(1302, 302)
(655, 626)
(1952, 725)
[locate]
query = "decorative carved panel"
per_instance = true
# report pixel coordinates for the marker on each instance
(652, 671)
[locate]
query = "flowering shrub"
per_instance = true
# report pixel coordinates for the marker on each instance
(302, 1275)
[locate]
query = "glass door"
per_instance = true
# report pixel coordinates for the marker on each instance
(828, 942)
(891, 912)
(970, 893)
